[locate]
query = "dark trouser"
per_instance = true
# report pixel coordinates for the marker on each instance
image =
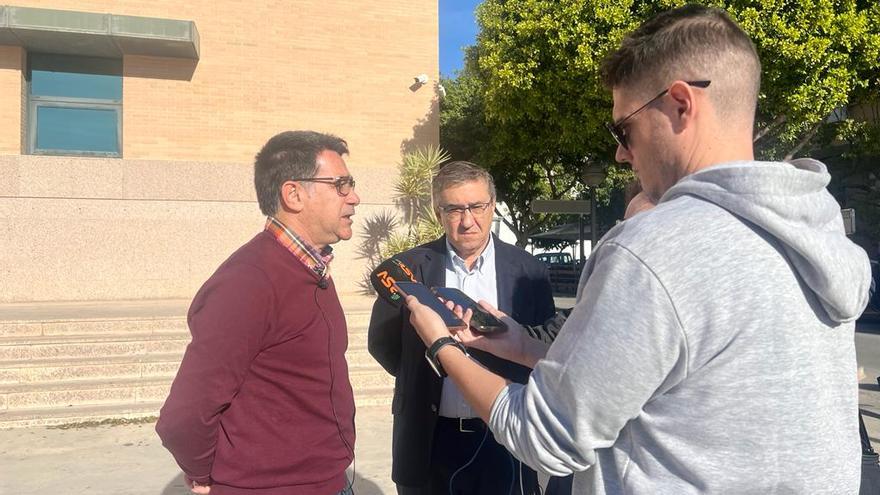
(493, 471)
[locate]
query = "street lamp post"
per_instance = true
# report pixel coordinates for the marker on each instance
(593, 175)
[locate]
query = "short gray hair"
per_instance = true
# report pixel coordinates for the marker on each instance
(459, 172)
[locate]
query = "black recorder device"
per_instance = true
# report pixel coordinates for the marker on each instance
(481, 321)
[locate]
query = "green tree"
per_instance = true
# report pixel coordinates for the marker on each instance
(521, 173)
(532, 82)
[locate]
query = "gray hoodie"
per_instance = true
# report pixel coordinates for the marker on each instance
(711, 348)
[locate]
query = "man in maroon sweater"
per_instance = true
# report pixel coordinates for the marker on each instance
(262, 403)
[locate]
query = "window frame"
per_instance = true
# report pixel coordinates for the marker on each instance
(35, 102)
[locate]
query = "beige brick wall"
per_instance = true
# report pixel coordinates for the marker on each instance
(341, 66)
(86, 228)
(11, 111)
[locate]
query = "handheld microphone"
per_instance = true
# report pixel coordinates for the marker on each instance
(384, 276)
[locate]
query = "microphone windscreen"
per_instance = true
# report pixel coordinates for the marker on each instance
(383, 278)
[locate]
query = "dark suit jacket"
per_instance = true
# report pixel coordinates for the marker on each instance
(524, 293)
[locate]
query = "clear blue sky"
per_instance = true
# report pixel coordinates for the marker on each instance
(458, 29)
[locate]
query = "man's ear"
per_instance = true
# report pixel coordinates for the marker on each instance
(684, 99)
(292, 196)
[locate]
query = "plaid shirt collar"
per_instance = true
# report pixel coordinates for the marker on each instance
(318, 262)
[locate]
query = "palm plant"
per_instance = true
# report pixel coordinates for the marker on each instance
(413, 187)
(413, 197)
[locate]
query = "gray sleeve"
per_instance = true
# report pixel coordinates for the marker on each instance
(621, 345)
(547, 331)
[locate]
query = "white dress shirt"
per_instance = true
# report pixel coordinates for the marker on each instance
(478, 283)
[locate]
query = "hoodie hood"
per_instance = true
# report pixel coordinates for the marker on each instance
(790, 202)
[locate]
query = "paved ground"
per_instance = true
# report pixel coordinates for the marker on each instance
(868, 350)
(130, 460)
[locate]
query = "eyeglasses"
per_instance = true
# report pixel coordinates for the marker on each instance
(616, 128)
(344, 183)
(454, 212)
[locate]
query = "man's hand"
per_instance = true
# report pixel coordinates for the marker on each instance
(426, 321)
(513, 345)
(507, 345)
(197, 488)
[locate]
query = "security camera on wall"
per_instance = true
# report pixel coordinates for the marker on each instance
(421, 79)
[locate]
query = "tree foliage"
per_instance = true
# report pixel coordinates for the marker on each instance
(529, 104)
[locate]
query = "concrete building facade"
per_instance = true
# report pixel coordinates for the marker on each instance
(155, 220)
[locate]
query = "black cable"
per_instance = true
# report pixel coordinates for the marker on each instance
(332, 383)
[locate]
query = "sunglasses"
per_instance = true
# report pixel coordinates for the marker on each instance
(344, 183)
(616, 128)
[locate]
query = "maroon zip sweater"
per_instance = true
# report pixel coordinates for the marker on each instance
(262, 403)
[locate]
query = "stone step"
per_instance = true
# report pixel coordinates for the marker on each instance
(356, 337)
(360, 357)
(90, 326)
(67, 393)
(79, 346)
(356, 321)
(23, 418)
(64, 393)
(72, 362)
(22, 330)
(26, 418)
(72, 414)
(122, 366)
(368, 377)
(373, 396)
(106, 367)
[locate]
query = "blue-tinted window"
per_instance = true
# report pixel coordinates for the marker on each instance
(61, 129)
(75, 105)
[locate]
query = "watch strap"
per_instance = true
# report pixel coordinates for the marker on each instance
(432, 351)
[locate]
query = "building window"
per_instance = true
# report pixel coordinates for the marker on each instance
(74, 105)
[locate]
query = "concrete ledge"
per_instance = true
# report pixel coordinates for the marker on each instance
(100, 35)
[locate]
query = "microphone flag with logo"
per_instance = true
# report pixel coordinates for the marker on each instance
(383, 278)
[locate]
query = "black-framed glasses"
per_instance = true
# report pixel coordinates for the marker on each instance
(344, 183)
(616, 128)
(455, 212)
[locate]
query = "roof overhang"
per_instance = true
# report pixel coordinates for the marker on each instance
(98, 35)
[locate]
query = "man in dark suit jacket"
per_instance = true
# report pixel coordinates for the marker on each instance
(429, 447)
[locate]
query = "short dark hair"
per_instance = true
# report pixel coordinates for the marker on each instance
(457, 173)
(688, 43)
(287, 155)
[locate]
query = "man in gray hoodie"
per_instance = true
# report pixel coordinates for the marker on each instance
(711, 347)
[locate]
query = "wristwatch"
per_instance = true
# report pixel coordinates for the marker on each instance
(431, 353)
